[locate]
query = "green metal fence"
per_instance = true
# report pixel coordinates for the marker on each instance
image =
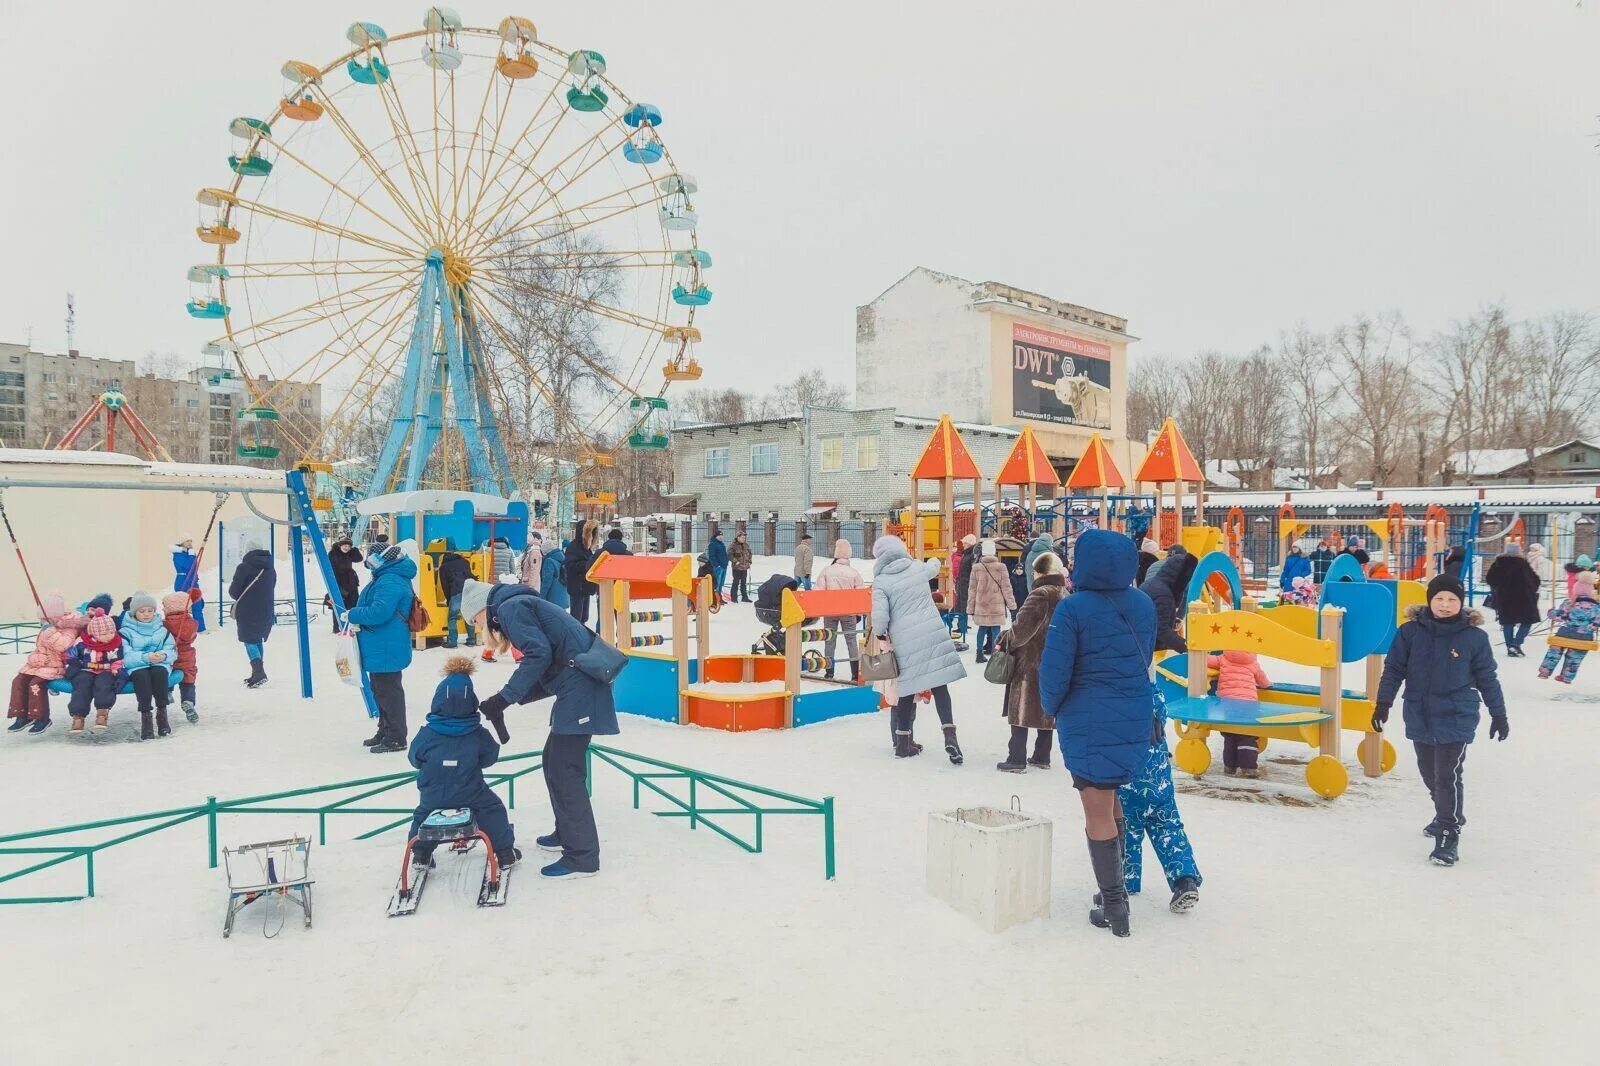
(644, 773)
(18, 637)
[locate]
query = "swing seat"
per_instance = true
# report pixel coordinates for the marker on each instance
(63, 687)
(1571, 643)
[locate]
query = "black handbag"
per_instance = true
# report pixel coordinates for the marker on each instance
(601, 662)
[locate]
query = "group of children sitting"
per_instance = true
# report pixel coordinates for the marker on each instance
(97, 654)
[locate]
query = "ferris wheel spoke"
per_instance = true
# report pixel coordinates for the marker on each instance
(316, 356)
(458, 174)
(559, 410)
(265, 337)
(562, 343)
(510, 153)
(259, 208)
(550, 195)
(547, 235)
(616, 314)
(404, 135)
(379, 173)
(372, 362)
(320, 301)
(355, 199)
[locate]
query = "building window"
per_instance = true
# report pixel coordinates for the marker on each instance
(16, 359)
(832, 460)
(1576, 458)
(49, 377)
(716, 462)
(72, 379)
(763, 458)
(193, 403)
(305, 404)
(867, 451)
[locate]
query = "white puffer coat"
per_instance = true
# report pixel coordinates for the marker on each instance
(902, 608)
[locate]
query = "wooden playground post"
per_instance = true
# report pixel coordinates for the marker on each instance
(608, 620)
(624, 614)
(1371, 749)
(680, 649)
(1199, 682)
(702, 625)
(1332, 695)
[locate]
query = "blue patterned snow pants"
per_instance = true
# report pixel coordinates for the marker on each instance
(1569, 660)
(1150, 805)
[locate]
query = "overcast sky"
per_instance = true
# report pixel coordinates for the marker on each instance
(1212, 171)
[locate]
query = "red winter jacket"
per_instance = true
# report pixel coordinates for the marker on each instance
(1238, 675)
(183, 629)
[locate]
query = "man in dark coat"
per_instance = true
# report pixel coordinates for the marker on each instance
(550, 640)
(1515, 588)
(961, 565)
(343, 557)
(454, 570)
(1454, 559)
(1444, 660)
(1167, 585)
(615, 544)
(253, 590)
(717, 556)
(450, 754)
(1321, 558)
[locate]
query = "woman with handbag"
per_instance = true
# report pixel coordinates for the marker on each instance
(924, 657)
(1094, 680)
(990, 600)
(1023, 647)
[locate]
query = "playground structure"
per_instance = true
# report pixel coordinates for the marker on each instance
(1093, 478)
(356, 244)
(1170, 462)
(1027, 469)
(439, 521)
(1354, 621)
(111, 405)
(670, 679)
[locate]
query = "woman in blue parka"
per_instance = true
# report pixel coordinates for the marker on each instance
(380, 620)
(1094, 679)
(1295, 564)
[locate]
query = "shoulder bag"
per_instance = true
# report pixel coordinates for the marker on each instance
(878, 665)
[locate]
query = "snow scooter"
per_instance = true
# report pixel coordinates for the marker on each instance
(454, 826)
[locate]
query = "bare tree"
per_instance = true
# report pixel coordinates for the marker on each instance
(1310, 392)
(1155, 392)
(1203, 411)
(1373, 356)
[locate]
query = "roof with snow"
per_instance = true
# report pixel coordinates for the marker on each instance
(1491, 461)
(50, 457)
(1585, 496)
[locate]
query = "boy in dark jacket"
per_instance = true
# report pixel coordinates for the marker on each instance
(450, 753)
(454, 570)
(1444, 660)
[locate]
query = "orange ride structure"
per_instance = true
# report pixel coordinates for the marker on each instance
(1170, 462)
(1097, 474)
(110, 406)
(675, 677)
(1028, 469)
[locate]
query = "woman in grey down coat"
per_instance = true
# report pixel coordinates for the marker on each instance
(903, 610)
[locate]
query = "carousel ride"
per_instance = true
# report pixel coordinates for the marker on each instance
(474, 242)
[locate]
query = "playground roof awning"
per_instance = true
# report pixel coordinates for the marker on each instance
(431, 501)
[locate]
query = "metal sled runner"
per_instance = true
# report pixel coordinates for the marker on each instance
(276, 867)
(454, 826)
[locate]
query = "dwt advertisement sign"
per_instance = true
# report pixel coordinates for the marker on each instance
(1057, 378)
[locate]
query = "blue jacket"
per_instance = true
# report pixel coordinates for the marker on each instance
(184, 576)
(616, 547)
(552, 583)
(1294, 565)
(548, 638)
(1445, 666)
(381, 612)
(717, 553)
(1094, 676)
(145, 638)
(452, 750)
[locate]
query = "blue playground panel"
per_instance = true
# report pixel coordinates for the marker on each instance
(813, 707)
(1218, 711)
(465, 529)
(648, 687)
(63, 687)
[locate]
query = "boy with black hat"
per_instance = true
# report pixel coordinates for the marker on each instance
(1443, 658)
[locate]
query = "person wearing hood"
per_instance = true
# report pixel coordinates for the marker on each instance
(1454, 559)
(254, 590)
(186, 576)
(343, 557)
(95, 667)
(558, 653)
(614, 544)
(454, 570)
(990, 599)
(1024, 706)
(1036, 548)
(717, 556)
(1442, 659)
(1515, 589)
(740, 557)
(1574, 624)
(30, 689)
(552, 578)
(1094, 680)
(839, 574)
(1573, 569)
(1539, 559)
(961, 564)
(1167, 585)
(580, 556)
(180, 623)
(380, 621)
(903, 610)
(1149, 555)
(1321, 558)
(1295, 564)
(532, 564)
(148, 650)
(450, 753)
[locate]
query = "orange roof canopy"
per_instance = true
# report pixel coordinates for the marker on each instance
(1096, 470)
(945, 455)
(1169, 458)
(1027, 464)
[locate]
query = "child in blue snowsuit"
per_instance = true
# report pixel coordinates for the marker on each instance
(1150, 807)
(1575, 622)
(450, 753)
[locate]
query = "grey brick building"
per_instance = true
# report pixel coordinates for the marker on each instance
(856, 463)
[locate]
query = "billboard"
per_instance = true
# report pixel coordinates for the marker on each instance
(1057, 378)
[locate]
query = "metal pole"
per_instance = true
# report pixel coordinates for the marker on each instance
(297, 559)
(827, 838)
(222, 588)
(211, 828)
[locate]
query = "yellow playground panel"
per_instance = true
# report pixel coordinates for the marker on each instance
(1314, 715)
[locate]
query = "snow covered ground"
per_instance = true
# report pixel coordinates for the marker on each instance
(1322, 934)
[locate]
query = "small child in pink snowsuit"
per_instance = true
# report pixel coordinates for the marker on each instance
(30, 689)
(1238, 675)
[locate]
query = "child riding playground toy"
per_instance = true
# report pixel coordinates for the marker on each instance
(736, 691)
(1355, 620)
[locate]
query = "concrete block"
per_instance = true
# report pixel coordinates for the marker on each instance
(991, 865)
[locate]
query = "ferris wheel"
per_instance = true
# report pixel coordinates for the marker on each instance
(474, 242)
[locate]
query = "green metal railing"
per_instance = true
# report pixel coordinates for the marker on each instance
(18, 637)
(212, 809)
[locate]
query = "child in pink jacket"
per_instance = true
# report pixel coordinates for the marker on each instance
(1238, 675)
(30, 689)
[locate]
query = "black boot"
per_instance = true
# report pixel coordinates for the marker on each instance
(1112, 911)
(163, 729)
(374, 740)
(258, 675)
(951, 748)
(1014, 763)
(904, 747)
(1185, 894)
(147, 730)
(508, 857)
(855, 670)
(1445, 850)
